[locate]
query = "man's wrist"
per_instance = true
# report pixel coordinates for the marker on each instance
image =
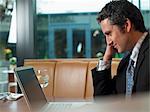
(107, 58)
(102, 65)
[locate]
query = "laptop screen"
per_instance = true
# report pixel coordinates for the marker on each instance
(31, 87)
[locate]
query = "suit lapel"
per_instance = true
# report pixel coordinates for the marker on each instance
(124, 61)
(144, 47)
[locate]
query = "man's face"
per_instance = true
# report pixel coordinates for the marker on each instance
(115, 38)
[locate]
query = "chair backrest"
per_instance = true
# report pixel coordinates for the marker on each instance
(70, 80)
(49, 66)
(89, 84)
(114, 66)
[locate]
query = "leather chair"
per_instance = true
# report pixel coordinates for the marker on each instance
(114, 66)
(89, 84)
(70, 80)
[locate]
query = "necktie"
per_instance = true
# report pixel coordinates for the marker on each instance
(129, 78)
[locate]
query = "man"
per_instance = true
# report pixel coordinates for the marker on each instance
(123, 26)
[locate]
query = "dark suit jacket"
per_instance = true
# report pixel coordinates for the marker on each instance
(104, 85)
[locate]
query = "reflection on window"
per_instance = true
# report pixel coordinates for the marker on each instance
(60, 43)
(64, 32)
(79, 43)
(7, 50)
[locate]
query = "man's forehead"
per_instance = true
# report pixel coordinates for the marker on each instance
(105, 25)
(105, 21)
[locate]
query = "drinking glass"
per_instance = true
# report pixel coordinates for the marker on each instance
(43, 77)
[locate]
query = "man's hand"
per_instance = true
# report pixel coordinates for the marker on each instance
(110, 50)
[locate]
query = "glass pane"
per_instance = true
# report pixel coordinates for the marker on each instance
(41, 44)
(98, 43)
(145, 4)
(78, 43)
(74, 44)
(7, 42)
(8, 33)
(60, 43)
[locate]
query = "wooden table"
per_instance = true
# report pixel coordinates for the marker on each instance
(14, 106)
(139, 104)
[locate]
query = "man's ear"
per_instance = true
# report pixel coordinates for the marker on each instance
(128, 25)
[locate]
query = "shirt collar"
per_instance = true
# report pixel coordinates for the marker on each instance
(136, 48)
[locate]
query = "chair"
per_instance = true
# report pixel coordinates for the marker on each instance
(89, 83)
(70, 80)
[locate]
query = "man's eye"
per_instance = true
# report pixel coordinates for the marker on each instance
(108, 34)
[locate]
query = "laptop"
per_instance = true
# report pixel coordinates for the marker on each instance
(34, 95)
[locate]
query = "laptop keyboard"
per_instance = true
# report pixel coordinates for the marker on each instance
(58, 107)
(62, 107)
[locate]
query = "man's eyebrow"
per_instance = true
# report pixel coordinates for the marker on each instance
(107, 32)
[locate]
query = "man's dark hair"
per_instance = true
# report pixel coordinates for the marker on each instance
(118, 12)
